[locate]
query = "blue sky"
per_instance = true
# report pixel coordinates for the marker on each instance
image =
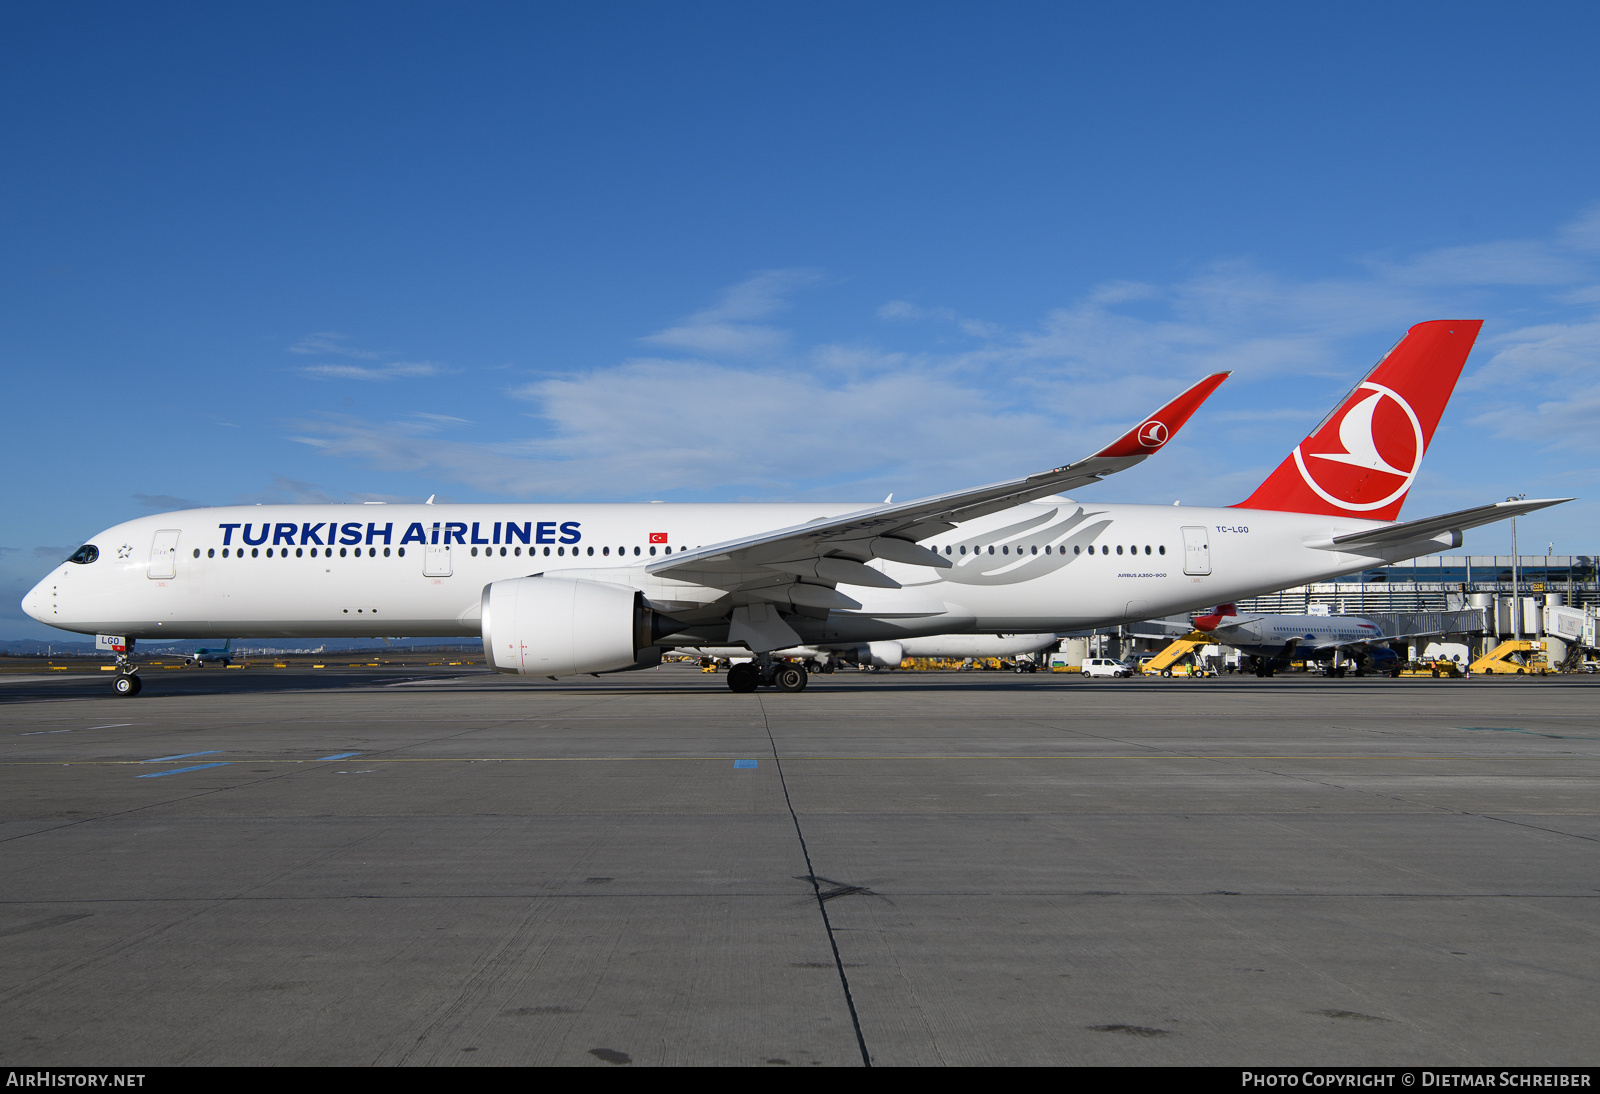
(741, 251)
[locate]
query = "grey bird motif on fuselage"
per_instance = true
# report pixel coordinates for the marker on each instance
(991, 561)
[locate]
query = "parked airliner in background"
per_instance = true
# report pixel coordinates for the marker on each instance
(889, 655)
(559, 590)
(203, 656)
(1273, 639)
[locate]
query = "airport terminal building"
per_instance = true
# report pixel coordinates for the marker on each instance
(1446, 583)
(1472, 600)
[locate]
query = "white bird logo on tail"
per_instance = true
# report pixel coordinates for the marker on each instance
(1355, 433)
(1361, 450)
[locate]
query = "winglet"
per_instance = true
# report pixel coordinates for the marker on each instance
(1155, 431)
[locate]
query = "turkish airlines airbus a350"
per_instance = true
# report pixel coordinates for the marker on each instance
(561, 590)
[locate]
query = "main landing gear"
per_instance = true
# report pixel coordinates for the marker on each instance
(763, 672)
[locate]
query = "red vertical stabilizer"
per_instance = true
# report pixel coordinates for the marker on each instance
(1212, 620)
(1363, 458)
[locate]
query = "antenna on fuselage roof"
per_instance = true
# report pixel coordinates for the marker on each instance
(430, 499)
(890, 498)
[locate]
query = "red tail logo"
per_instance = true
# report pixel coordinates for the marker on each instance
(1364, 456)
(1212, 620)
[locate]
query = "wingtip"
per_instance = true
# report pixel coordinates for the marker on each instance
(1152, 434)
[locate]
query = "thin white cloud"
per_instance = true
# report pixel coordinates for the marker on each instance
(904, 309)
(285, 490)
(730, 402)
(725, 329)
(396, 370)
(1544, 381)
(1275, 414)
(330, 343)
(1509, 262)
(1583, 234)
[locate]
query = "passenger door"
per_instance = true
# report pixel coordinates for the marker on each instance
(164, 555)
(436, 560)
(1196, 551)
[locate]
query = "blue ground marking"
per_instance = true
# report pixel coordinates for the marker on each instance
(339, 756)
(184, 756)
(181, 770)
(744, 763)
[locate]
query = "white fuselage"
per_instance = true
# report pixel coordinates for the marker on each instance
(1268, 635)
(322, 571)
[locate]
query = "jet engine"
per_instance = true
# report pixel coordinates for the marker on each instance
(877, 655)
(550, 626)
(1383, 659)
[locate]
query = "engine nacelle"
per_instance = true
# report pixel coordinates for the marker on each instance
(551, 626)
(878, 655)
(1383, 657)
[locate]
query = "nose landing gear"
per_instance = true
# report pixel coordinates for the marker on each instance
(126, 682)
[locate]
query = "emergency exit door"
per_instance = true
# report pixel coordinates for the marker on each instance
(436, 560)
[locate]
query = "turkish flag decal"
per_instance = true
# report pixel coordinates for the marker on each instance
(658, 537)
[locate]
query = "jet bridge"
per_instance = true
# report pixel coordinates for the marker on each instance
(1428, 624)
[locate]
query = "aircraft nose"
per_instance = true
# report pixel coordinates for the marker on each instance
(37, 602)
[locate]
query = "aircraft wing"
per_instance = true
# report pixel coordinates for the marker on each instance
(832, 550)
(1413, 531)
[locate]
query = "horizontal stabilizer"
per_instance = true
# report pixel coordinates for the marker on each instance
(1414, 531)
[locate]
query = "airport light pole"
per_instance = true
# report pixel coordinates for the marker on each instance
(1516, 586)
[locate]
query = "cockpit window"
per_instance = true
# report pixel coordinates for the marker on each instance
(85, 554)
